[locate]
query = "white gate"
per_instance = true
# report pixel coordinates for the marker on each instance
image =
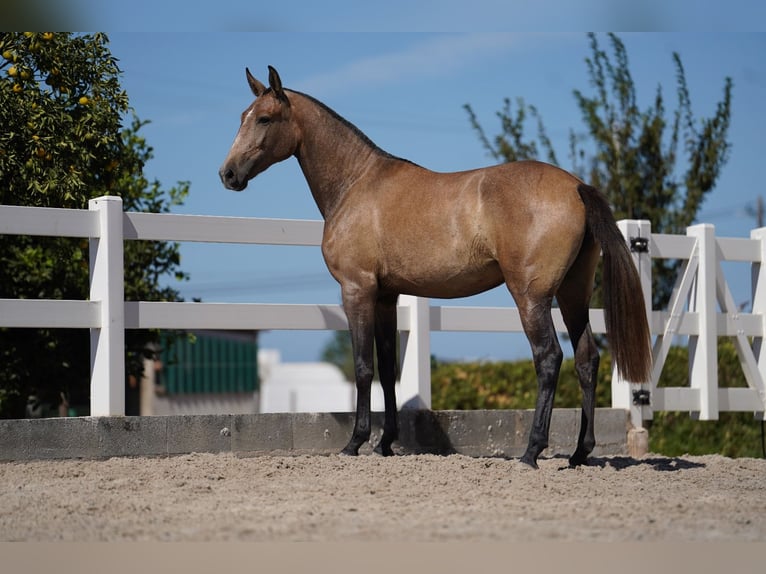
(702, 308)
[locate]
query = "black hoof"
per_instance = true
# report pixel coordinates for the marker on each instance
(383, 450)
(578, 460)
(350, 450)
(529, 461)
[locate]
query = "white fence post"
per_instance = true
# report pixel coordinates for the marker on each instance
(107, 343)
(703, 348)
(415, 348)
(635, 232)
(758, 289)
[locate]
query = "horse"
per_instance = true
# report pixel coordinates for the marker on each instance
(393, 227)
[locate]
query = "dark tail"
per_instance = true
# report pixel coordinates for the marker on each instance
(626, 325)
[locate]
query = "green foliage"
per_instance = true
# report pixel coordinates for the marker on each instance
(508, 385)
(338, 352)
(62, 113)
(733, 434)
(649, 166)
(62, 143)
(676, 433)
(510, 144)
(513, 385)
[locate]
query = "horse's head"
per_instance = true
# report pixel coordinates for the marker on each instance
(266, 134)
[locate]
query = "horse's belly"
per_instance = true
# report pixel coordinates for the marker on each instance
(446, 283)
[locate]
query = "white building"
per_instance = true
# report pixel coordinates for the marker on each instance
(306, 387)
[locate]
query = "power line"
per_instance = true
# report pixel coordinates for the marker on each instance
(262, 285)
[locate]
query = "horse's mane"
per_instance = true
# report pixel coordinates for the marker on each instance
(355, 130)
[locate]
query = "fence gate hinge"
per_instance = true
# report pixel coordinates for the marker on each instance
(641, 397)
(639, 244)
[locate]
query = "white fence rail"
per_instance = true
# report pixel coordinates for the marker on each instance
(692, 311)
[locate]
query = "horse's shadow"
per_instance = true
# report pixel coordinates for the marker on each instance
(658, 463)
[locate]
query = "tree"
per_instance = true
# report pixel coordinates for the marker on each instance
(63, 142)
(649, 166)
(338, 352)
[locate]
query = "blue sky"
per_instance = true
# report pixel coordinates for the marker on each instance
(404, 15)
(406, 91)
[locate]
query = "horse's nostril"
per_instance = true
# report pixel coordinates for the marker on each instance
(227, 175)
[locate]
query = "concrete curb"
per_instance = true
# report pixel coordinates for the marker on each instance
(501, 433)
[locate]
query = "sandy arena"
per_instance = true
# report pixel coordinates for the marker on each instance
(423, 498)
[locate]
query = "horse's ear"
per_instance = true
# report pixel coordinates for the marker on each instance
(257, 87)
(275, 83)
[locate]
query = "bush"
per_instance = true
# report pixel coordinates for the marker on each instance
(513, 385)
(508, 385)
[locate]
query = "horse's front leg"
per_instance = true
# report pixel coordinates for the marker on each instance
(359, 305)
(385, 341)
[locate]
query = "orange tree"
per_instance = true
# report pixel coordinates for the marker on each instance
(62, 142)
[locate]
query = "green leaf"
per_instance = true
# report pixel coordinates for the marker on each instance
(84, 144)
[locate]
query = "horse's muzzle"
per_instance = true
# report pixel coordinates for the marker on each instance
(230, 179)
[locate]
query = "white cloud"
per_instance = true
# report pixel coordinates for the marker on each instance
(435, 56)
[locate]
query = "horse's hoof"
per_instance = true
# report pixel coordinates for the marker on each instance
(382, 450)
(349, 452)
(529, 461)
(578, 460)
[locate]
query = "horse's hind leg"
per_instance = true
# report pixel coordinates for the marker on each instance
(586, 364)
(385, 341)
(546, 352)
(573, 298)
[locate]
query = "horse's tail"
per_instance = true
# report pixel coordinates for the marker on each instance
(626, 326)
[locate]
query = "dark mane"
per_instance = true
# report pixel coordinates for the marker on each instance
(359, 133)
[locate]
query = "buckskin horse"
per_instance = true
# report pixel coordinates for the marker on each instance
(393, 227)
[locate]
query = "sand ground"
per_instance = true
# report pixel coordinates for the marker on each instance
(219, 497)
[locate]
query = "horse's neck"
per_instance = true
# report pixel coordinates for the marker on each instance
(332, 154)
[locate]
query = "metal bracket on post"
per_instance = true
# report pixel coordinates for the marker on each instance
(639, 244)
(107, 343)
(642, 397)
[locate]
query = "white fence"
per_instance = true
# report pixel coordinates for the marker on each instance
(692, 311)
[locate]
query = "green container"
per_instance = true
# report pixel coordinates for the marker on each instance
(209, 362)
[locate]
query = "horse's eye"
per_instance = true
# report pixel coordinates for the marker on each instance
(263, 120)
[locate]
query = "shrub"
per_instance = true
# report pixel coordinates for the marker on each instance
(513, 385)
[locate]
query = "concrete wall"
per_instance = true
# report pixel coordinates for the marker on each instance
(473, 433)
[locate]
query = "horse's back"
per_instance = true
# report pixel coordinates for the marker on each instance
(531, 187)
(536, 183)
